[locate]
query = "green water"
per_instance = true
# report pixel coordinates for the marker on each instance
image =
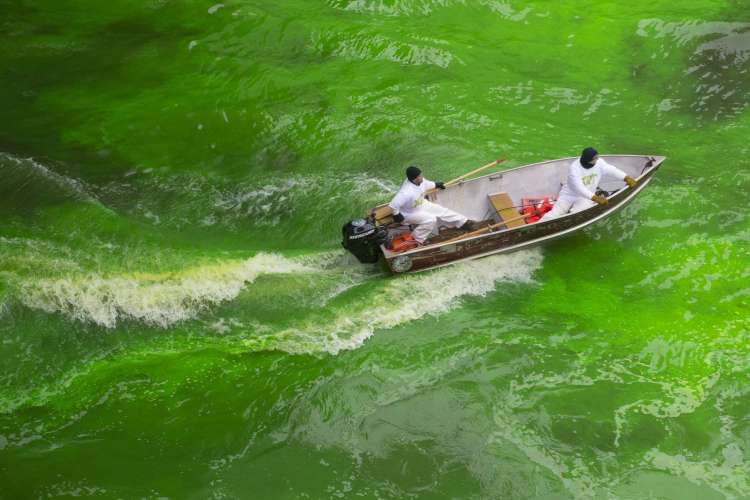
(178, 319)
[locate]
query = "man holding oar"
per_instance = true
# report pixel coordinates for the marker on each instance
(410, 206)
(579, 190)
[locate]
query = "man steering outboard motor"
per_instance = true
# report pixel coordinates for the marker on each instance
(363, 239)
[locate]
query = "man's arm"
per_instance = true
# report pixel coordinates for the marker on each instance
(396, 203)
(427, 185)
(576, 184)
(610, 170)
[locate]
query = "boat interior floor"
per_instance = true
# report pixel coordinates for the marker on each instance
(448, 233)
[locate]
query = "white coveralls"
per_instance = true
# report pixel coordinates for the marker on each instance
(580, 186)
(410, 202)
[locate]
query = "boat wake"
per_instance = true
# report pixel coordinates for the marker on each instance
(399, 301)
(157, 299)
(330, 304)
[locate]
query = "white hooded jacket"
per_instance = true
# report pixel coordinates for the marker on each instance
(410, 197)
(583, 182)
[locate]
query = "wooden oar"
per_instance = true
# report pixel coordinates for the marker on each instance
(473, 172)
(383, 211)
(484, 229)
(485, 167)
(473, 233)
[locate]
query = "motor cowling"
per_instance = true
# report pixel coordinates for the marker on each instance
(363, 239)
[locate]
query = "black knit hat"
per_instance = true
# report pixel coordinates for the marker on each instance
(587, 155)
(412, 173)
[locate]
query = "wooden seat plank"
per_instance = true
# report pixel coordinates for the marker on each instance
(503, 205)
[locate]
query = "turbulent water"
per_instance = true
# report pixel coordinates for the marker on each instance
(177, 316)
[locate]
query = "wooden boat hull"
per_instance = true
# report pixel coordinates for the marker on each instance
(524, 236)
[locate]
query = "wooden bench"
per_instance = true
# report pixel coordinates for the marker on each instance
(503, 205)
(383, 214)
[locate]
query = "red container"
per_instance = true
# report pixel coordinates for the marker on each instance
(536, 207)
(403, 242)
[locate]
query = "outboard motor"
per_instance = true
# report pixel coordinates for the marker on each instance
(363, 239)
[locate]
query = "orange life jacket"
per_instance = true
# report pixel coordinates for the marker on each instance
(535, 208)
(403, 242)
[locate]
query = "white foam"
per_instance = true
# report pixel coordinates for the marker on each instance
(29, 166)
(573, 472)
(404, 299)
(214, 8)
(730, 477)
(164, 299)
(158, 299)
(265, 203)
(424, 7)
(377, 47)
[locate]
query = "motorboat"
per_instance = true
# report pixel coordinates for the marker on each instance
(505, 203)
